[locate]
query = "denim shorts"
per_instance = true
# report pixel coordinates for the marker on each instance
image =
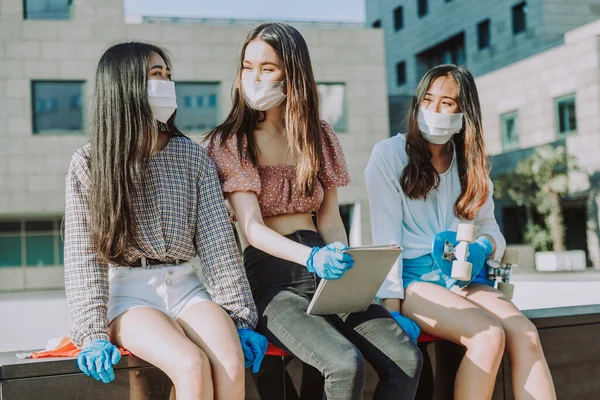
(423, 269)
(169, 288)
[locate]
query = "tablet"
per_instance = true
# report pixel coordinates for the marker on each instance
(356, 289)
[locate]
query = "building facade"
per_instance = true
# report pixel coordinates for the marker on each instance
(48, 56)
(482, 34)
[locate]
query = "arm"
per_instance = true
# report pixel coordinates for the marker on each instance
(86, 276)
(385, 205)
(487, 226)
(218, 252)
(246, 208)
(329, 221)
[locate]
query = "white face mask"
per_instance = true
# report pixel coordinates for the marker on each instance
(438, 128)
(263, 96)
(162, 99)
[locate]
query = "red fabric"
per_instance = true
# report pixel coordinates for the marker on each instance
(425, 338)
(273, 350)
(66, 348)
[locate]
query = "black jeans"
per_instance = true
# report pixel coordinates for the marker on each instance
(336, 345)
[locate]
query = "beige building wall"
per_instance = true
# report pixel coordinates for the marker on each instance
(33, 167)
(530, 87)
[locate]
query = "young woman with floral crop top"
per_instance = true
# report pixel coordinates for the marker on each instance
(278, 164)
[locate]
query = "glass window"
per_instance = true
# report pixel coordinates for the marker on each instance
(483, 34)
(565, 114)
(332, 104)
(519, 18)
(10, 251)
(510, 131)
(376, 24)
(194, 116)
(398, 18)
(40, 250)
(31, 243)
(47, 9)
(422, 8)
(401, 73)
(450, 51)
(55, 110)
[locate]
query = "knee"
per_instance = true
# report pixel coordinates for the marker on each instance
(194, 364)
(489, 340)
(523, 337)
(233, 368)
(348, 365)
(406, 363)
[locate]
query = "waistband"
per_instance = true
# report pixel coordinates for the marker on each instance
(151, 263)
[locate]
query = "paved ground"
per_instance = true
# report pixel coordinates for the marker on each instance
(28, 319)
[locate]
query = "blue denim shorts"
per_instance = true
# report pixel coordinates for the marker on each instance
(423, 269)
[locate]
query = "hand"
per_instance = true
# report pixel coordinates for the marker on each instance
(329, 262)
(408, 325)
(97, 358)
(254, 346)
(479, 252)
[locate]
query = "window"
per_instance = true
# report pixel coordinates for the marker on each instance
(451, 51)
(401, 73)
(510, 131)
(398, 18)
(332, 104)
(376, 24)
(47, 9)
(483, 34)
(519, 18)
(195, 115)
(565, 114)
(31, 243)
(55, 109)
(422, 8)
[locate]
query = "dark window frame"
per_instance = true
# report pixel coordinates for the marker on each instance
(422, 8)
(401, 73)
(398, 18)
(484, 34)
(519, 18)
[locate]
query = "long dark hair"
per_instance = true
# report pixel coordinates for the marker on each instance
(420, 177)
(123, 135)
(301, 105)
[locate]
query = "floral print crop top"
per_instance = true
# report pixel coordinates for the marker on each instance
(273, 184)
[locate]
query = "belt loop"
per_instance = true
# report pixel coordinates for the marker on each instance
(143, 261)
(177, 262)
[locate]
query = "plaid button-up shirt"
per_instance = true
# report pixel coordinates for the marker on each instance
(180, 213)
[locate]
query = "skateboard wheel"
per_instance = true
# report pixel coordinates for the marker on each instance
(466, 233)
(511, 257)
(461, 270)
(507, 288)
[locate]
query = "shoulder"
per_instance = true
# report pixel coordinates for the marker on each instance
(328, 135)
(392, 150)
(80, 164)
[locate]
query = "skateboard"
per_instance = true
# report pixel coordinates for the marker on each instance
(499, 272)
(450, 251)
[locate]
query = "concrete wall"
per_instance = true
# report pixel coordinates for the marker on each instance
(33, 167)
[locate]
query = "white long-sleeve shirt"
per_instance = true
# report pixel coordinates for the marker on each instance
(412, 224)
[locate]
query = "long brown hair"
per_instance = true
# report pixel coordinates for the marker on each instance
(123, 135)
(420, 177)
(301, 113)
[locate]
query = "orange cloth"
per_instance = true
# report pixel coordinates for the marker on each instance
(66, 348)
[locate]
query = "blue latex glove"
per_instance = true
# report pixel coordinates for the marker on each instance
(97, 358)
(479, 252)
(254, 346)
(408, 325)
(329, 262)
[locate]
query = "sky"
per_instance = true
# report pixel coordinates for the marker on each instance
(286, 10)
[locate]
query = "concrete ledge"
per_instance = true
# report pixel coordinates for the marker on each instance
(569, 336)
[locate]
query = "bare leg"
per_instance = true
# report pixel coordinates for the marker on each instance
(442, 313)
(530, 373)
(211, 329)
(154, 337)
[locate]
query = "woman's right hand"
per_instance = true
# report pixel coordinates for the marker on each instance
(97, 358)
(329, 262)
